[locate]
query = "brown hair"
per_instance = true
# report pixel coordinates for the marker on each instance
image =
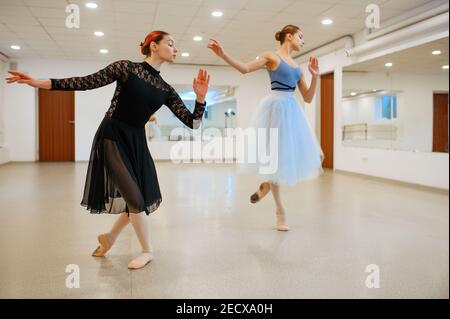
(154, 36)
(288, 29)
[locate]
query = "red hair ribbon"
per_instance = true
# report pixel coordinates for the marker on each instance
(149, 38)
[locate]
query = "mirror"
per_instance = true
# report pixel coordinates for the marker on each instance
(220, 113)
(398, 101)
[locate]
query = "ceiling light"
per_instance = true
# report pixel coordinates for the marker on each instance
(91, 5)
(185, 54)
(327, 21)
(15, 47)
(104, 51)
(99, 33)
(436, 52)
(353, 93)
(217, 13)
(389, 64)
(198, 38)
(445, 67)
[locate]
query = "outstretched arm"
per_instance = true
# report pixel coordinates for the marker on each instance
(263, 60)
(308, 93)
(177, 106)
(23, 78)
(113, 72)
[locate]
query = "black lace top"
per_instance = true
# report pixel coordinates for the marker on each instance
(139, 93)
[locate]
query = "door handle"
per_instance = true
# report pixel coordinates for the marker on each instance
(72, 122)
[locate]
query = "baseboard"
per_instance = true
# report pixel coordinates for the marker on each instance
(4, 155)
(394, 181)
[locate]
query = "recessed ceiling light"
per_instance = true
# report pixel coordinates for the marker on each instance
(15, 47)
(99, 33)
(91, 5)
(104, 51)
(185, 54)
(445, 67)
(217, 13)
(436, 52)
(327, 21)
(389, 64)
(353, 93)
(198, 38)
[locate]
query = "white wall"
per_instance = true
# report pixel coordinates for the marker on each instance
(4, 152)
(3, 64)
(90, 106)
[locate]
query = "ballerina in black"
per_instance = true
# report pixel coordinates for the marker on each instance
(121, 176)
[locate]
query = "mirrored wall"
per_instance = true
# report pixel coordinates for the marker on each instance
(220, 113)
(398, 101)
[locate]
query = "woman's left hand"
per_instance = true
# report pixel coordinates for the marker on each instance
(313, 66)
(201, 84)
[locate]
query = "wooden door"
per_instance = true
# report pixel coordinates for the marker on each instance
(327, 118)
(56, 125)
(440, 122)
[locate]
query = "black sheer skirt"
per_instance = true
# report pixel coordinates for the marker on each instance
(121, 175)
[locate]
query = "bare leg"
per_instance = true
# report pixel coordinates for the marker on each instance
(264, 188)
(106, 240)
(280, 212)
(140, 225)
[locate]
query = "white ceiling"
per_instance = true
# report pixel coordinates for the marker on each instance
(415, 60)
(246, 28)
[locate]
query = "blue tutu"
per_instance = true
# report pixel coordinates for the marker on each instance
(294, 146)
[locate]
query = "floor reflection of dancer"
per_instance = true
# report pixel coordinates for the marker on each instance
(153, 130)
(121, 176)
(299, 154)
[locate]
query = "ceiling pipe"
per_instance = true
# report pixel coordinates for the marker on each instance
(346, 41)
(433, 23)
(414, 16)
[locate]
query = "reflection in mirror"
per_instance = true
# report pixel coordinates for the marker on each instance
(398, 101)
(220, 113)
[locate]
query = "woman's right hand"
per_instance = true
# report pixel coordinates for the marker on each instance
(22, 78)
(216, 47)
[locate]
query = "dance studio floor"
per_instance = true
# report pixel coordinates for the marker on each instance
(210, 242)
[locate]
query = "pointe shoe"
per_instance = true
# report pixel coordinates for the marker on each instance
(282, 227)
(281, 221)
(256, 197)
(140, 261)
(104, 246)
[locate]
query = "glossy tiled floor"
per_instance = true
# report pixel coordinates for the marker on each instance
(210, 242)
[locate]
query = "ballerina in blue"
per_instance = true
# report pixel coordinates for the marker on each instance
(299, 153)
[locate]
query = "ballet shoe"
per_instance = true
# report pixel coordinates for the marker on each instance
(281, 221)
(140, 261)
(104, 246)
(256, 197)
(282, 227)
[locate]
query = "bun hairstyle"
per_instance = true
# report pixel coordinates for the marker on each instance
(288, 29)
(154, 36)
